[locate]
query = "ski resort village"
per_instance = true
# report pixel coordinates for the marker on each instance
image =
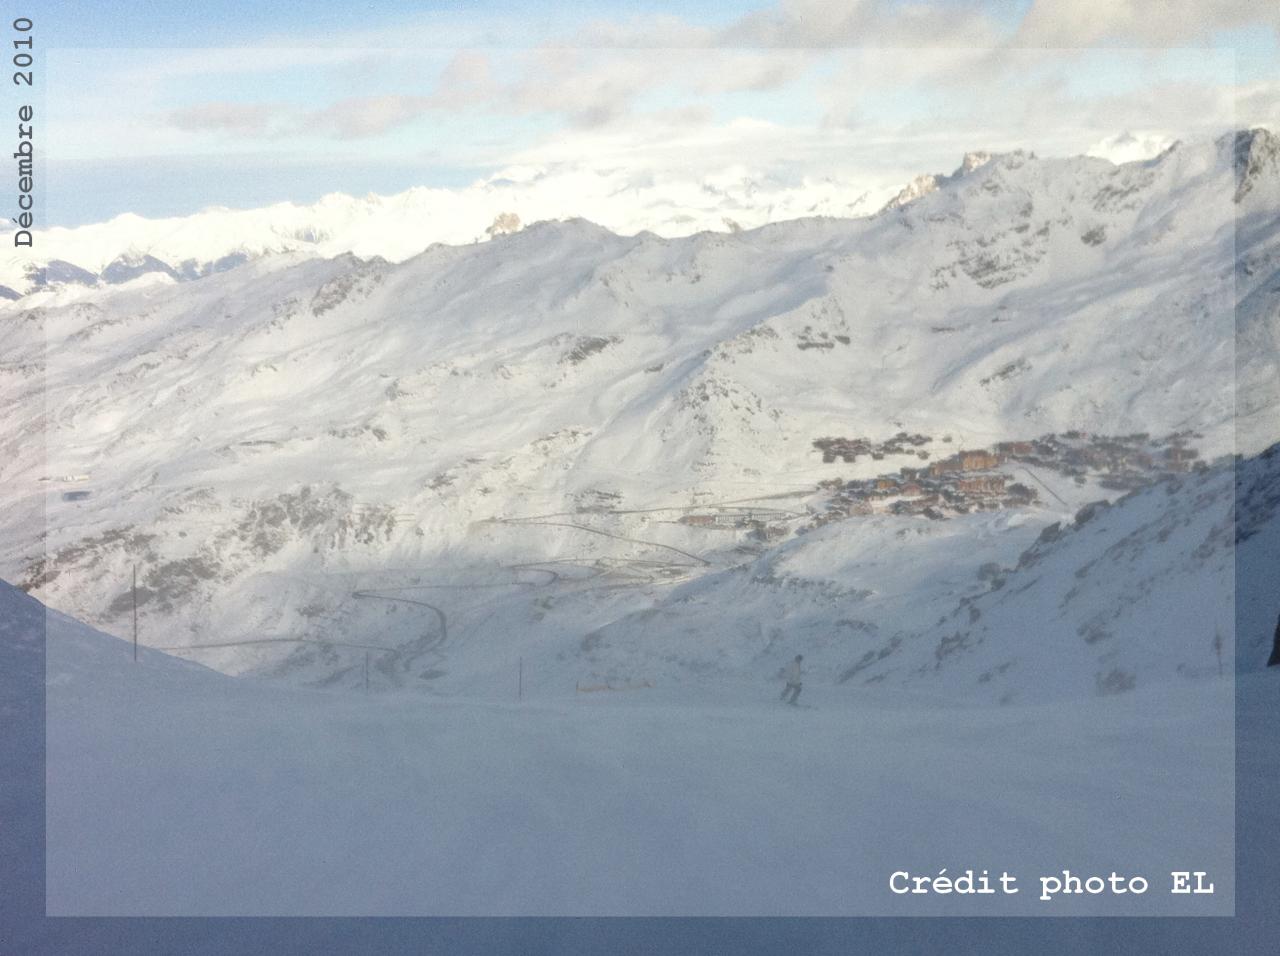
(984, 480)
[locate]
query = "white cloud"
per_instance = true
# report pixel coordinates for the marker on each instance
(1258, 104)
(863, 23)
(237, 118)
(865, 93)
(1127, 147)
(1143, 23)
(357, 117)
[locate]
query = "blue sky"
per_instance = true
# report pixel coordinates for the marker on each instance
(162, 109)
(221, 23)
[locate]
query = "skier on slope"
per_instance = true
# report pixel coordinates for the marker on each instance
(792, 674)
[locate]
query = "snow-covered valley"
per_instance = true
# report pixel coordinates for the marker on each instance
(596, 454)
(509, 543)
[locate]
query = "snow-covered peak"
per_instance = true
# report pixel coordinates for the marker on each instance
(922, 185)
(1256, 158)
(973, 160)
(928, 183)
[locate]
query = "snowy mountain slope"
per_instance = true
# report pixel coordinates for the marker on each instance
(1257, 340)
(989, 607)
(1135, 592)
(1257, 558)
(267, 442)
(834, 594)
(29, 631)
(254, 798)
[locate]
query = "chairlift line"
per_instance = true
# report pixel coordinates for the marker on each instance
(1043, 485)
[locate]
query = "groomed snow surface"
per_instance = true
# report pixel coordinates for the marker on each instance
(174, 790)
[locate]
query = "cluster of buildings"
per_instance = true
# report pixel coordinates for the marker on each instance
(980, 480)
(763, 525)
(969, 480)
(1122, 462)
(850, 449)
(957, 485)
(718, 519)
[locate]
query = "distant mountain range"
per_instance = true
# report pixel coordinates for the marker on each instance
(400, 226)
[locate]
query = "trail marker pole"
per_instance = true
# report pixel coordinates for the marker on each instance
(135, 614)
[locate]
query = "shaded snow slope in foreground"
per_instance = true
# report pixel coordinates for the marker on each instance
(174, 790)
